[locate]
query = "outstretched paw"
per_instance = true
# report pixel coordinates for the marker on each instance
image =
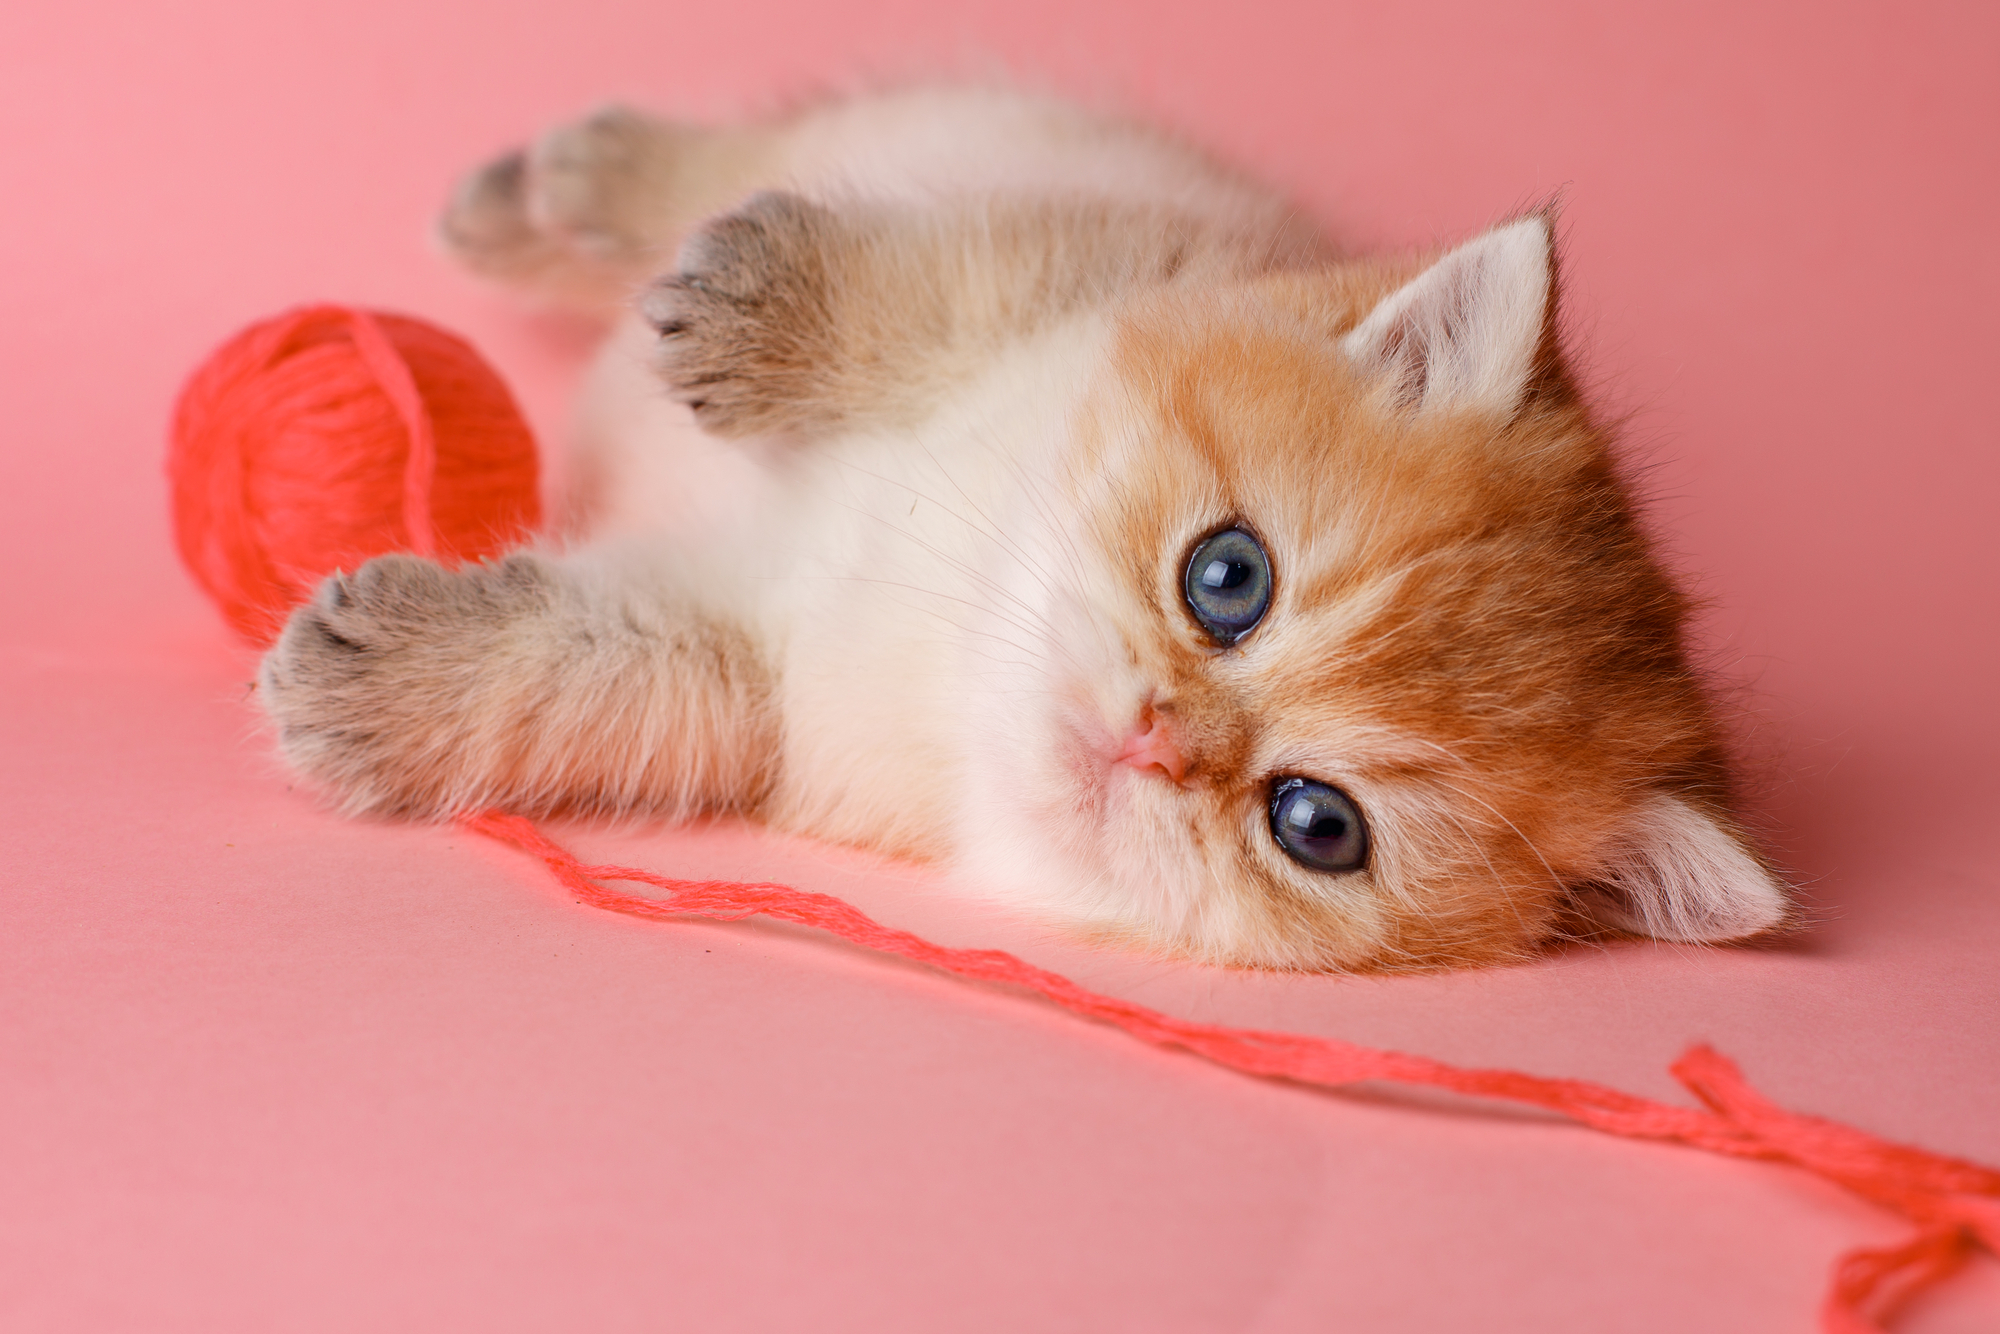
(745, 323)
(373, 684)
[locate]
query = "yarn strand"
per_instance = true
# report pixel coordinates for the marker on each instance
(1954, 1203)
(392, 375)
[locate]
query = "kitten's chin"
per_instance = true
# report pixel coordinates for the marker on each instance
(1123, 912)
(1096, 855)
(1039, 847)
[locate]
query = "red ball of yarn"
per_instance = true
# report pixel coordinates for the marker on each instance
(313, 441)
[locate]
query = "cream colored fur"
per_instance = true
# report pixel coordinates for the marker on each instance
(886, 485)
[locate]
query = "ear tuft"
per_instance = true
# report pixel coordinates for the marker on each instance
(1683, 875)
(1463, 334)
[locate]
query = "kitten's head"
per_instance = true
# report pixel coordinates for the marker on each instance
(1351, 651)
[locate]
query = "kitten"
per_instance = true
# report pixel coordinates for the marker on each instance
(985, 483)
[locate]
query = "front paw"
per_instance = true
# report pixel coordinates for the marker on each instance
(745, 323)
(374, 686)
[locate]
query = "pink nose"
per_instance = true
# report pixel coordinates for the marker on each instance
(1151, 746)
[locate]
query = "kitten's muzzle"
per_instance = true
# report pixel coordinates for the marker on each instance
(1152, 745)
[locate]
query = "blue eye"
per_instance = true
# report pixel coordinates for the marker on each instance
(1228, 584)
(1317, 826)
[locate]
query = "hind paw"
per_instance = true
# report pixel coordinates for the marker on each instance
(591, 191)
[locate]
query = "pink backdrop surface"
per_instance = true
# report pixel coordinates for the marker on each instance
(262, 1068)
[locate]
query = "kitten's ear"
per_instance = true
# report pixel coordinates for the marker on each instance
(1464, 333)
(1684, 875)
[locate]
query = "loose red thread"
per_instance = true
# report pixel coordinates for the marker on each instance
(1955, 1204)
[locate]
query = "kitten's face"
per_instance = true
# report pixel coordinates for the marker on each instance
(1426, 685)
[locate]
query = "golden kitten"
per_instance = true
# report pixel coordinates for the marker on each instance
(983, 482)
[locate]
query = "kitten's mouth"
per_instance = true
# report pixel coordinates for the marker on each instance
(1093, 752)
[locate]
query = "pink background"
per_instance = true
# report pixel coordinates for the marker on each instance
(264, 1069)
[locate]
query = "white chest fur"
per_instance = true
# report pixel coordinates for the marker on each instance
(878, 570)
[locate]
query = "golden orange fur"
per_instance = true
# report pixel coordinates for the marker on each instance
(1475, 613)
